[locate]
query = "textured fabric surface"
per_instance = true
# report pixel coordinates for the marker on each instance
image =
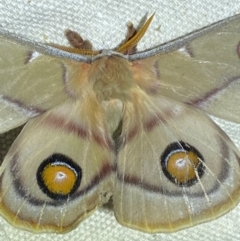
(104, 23)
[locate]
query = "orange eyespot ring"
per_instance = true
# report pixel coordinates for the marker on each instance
(182, 164)
(58, 176)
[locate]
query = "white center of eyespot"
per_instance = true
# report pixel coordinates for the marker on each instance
(181, 163)
(60, 176)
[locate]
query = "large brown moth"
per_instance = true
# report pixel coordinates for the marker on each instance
(122, 125)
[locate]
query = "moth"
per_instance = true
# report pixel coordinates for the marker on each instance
(123, 126)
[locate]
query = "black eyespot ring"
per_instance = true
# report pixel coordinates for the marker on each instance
(59, 176)
(182, 164)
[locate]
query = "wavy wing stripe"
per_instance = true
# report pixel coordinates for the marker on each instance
(203, 101)
(148, 125)
(66, 81)
(69, 126)
(106, 170)
(222, 177)
(18, 105)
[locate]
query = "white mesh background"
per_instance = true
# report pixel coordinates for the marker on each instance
(104, 23)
